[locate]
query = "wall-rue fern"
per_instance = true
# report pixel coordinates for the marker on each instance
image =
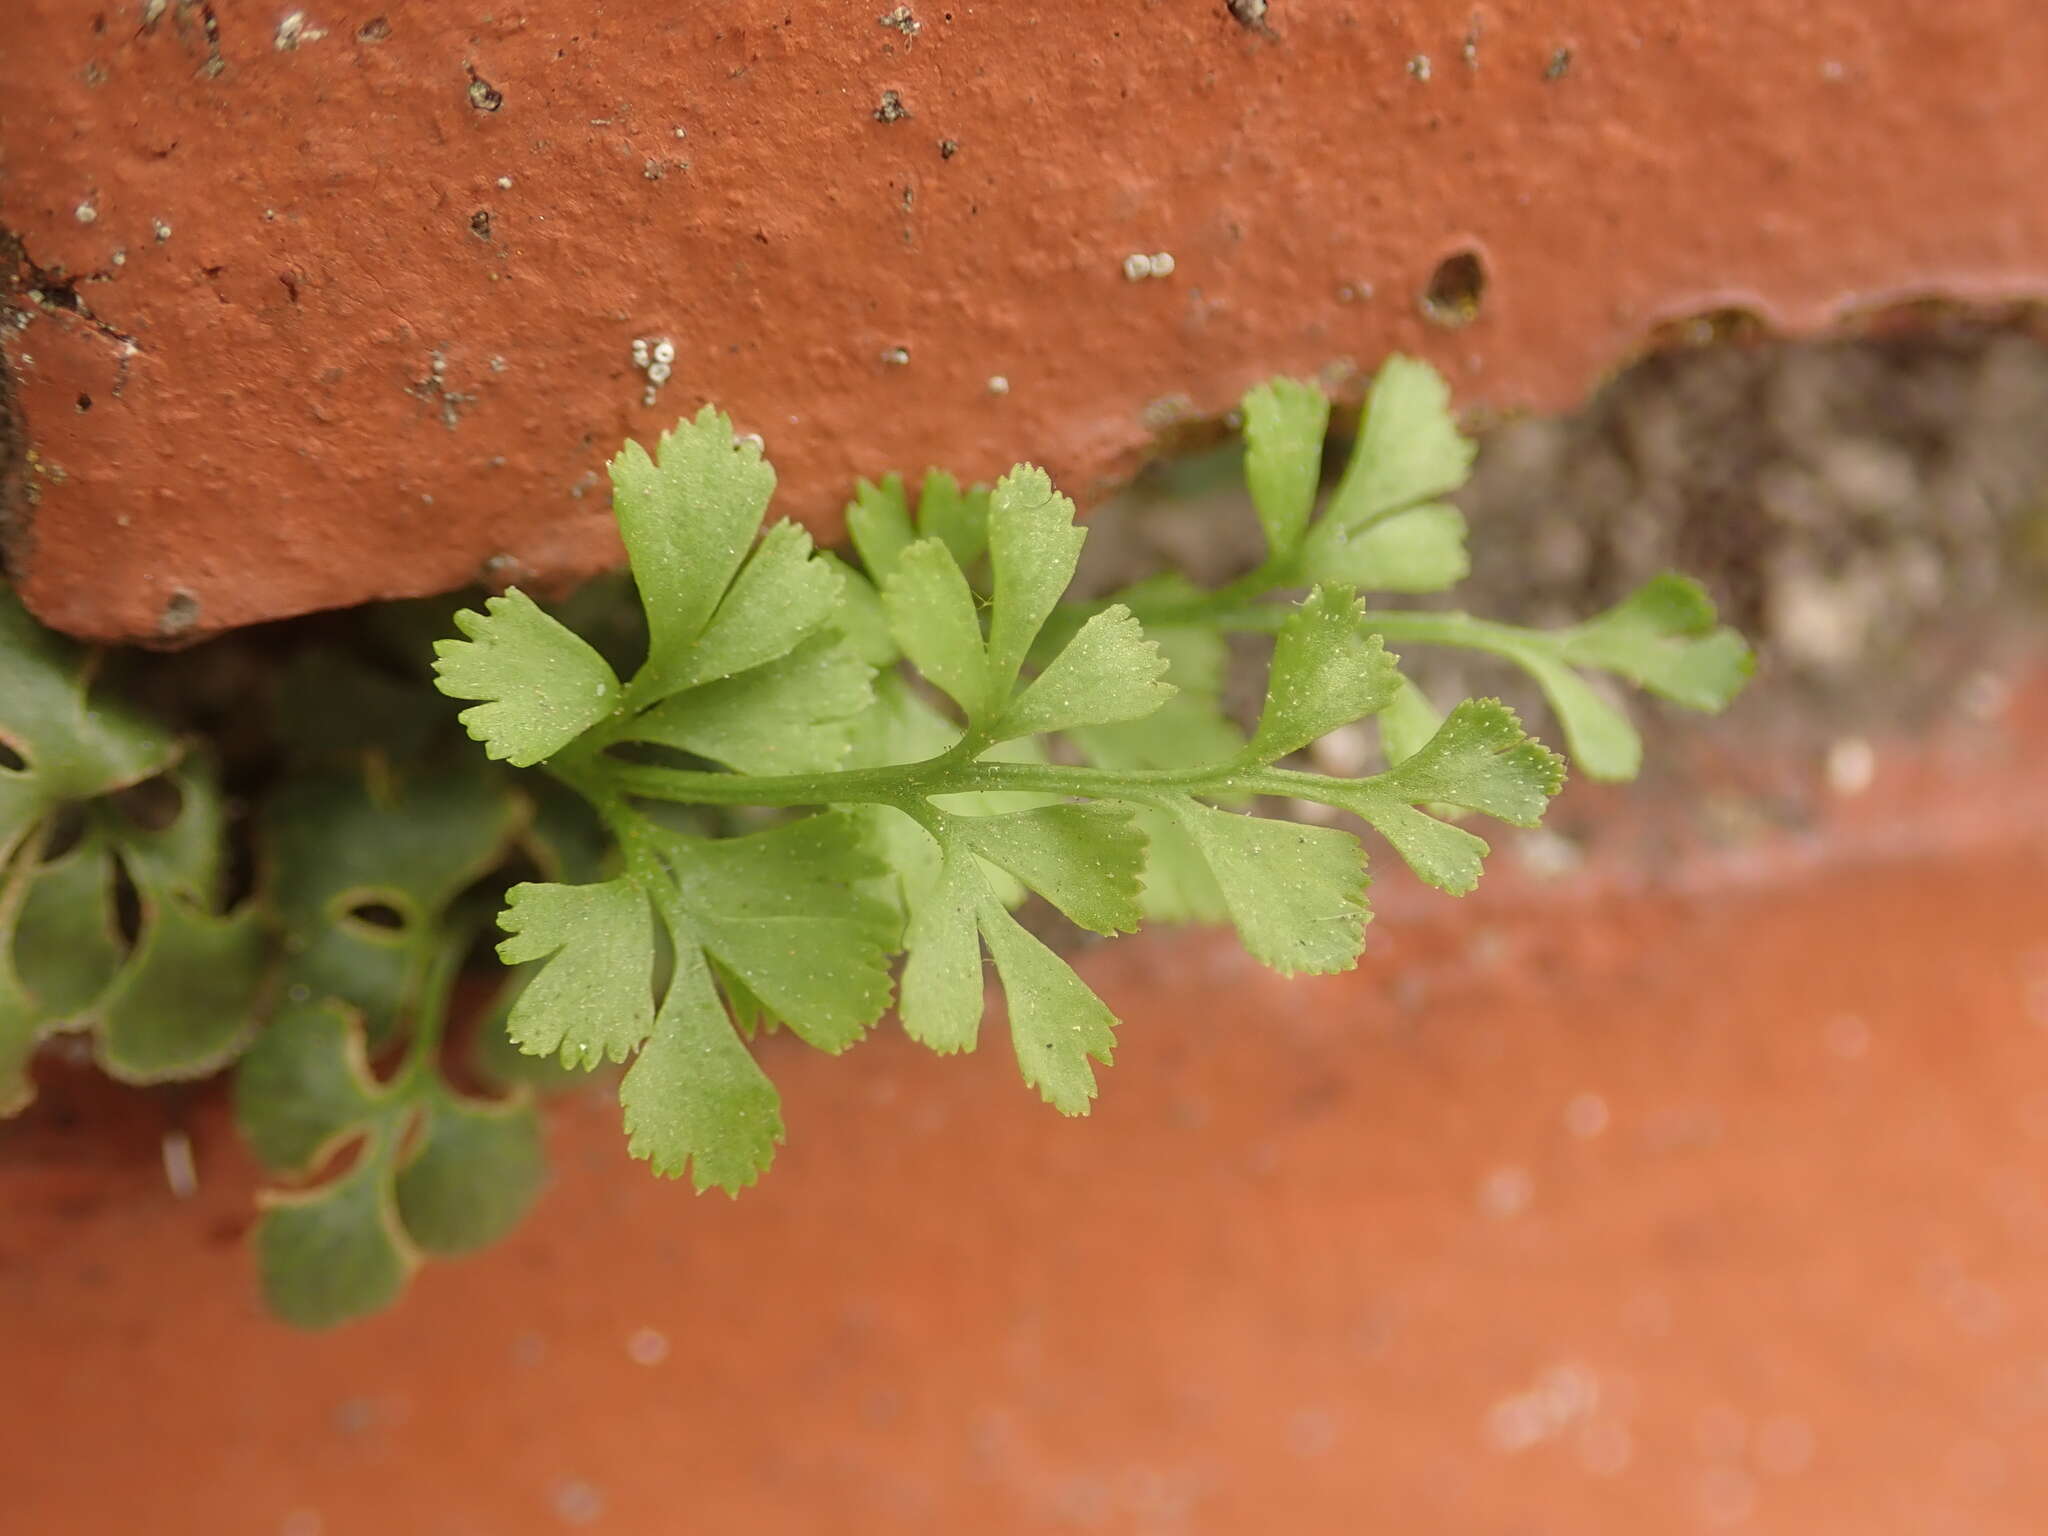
(110, 880)
(793, 790)
(907, 711)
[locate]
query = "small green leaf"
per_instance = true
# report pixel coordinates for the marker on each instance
(20, 1034)
(793, 715)
(1482, 760)
(783, 911)
(688, 516)
(65, 751)
(694, 1098)
(172, 834)
(942, 981)
(1188, 729)
(304, 1087)
(66, 946)
(960, 518)
(1447, 857)
(1408, 448)
(1419, 550)
(1284, 423)
(1598, 734)
(594, 999)
(1179, 886)
(878, 521)
(1109, 672)
(904, 728)
(780, 596)
(1056, 1023)
(335, 1253)
(1296, 893)
(1407, 723)
(1087, 860)
(185, 1003)
(1327, 671)
(473, 1174)
(543, 685)
(71, 747)
(1663, 636)
(861, 617)
(497, 1060)
(337, 846)
(931, 614)
(1033, 548)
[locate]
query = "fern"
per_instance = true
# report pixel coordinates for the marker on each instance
(903, 722)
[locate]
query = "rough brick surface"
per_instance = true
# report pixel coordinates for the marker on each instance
(312, 311)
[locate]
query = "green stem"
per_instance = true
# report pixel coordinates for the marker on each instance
(438, 964)
(903, 785)
(18, 867)
(1460, 630)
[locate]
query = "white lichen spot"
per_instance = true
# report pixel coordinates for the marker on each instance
(161, 230)
(294, 31)
(1419, 66)
(1137, 267)
(85, 212)
(998, 384)
(504, 183)
(896, 357)
(1162, 264)
(498, 365)
(655, 357)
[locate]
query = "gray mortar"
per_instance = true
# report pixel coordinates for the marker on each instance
(1872, 512)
